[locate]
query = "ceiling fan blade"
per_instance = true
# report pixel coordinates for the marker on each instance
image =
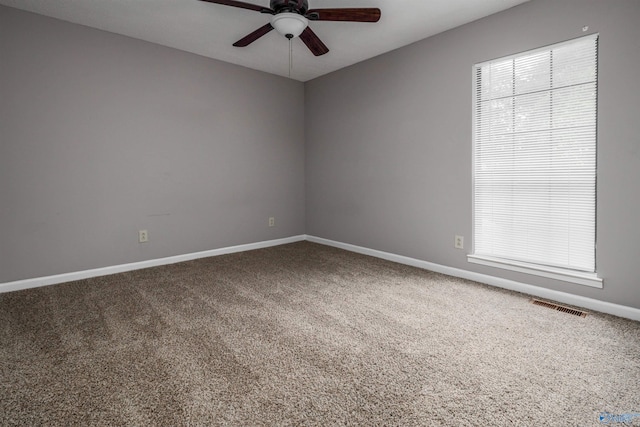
(345, 14)
(313, 42)
(242, 5)
(248, 39)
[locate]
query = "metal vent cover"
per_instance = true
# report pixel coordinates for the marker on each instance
(559, 307)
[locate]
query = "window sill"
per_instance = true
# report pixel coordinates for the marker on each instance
(581, 278)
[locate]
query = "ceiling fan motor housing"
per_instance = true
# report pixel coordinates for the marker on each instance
(296, 6)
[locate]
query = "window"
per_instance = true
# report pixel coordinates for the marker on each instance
(534, 166)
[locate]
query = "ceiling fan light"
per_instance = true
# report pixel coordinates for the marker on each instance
(289, 24)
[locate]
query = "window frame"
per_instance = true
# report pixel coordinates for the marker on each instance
(585, 278)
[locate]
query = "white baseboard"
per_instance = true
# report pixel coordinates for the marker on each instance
(563, 297)
(86, 274)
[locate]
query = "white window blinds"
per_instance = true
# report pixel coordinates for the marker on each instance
(535, 156)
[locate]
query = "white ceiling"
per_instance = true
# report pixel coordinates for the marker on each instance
(210, 29)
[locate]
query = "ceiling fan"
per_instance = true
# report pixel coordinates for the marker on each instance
(291, 19)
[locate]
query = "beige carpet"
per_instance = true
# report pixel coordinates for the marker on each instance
(304, 334)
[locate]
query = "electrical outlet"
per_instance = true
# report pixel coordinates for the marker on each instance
(272, 221)
(459, 242)
(143, 236)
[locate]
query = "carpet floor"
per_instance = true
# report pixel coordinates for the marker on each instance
(305, 334)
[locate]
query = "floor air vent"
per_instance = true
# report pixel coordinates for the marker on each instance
(559, 308)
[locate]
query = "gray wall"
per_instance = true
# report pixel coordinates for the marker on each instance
(102, 135)
(388, 158)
